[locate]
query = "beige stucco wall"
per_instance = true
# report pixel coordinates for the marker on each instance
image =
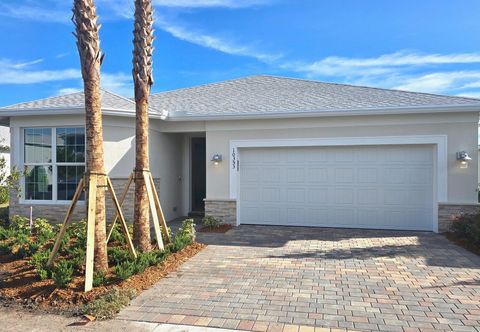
(166, 154)
(461, 129)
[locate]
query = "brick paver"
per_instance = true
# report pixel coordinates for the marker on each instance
(292, 279)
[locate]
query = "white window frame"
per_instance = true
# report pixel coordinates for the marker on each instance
(54, 164)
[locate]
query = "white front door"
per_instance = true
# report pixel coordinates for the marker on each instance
(379, 187)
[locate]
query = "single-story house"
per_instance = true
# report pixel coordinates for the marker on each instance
(266, 150)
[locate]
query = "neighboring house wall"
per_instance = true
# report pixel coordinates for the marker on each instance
(461, 129)
(119, 143)
(5, 141)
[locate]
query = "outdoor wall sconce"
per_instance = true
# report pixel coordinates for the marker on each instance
(217, 158)
(463, 158)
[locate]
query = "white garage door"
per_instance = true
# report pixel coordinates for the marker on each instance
(381, 187)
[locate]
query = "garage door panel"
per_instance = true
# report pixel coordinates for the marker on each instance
(368, 196)
(388, 187)
(344, 175)
(296, 175)
(272, 174)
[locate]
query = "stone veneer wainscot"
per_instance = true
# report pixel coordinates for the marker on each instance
(224, 210)
(56, 212)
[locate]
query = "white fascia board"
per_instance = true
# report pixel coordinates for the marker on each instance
(72, 110)
(330, 113)
(253, 116)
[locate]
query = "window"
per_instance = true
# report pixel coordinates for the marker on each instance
(54, 160)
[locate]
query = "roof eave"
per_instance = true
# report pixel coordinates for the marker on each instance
(71, 111)
(330, 113)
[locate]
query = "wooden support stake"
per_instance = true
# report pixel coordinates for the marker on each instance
(122, 199)
(92, 200)
(159, 211)
(122, 219)
(153, 210)
(66, 222)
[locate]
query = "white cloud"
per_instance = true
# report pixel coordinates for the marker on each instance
(383, 64)
(441, 82)
(35, 13)
(120, 83)
(404, 70)
(19, 73)
(66, 91)
(213, 42)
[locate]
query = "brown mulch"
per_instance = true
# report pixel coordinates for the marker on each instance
(220, 229)
(463, 243)
(18, 281)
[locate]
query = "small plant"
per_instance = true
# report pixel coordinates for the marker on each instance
(110, 304)
(99, 278)
(43, 274)
(210, 222)
(62, 274)
(117, 235)
(41, 224)
(125, 270)
(4, 194)
(468, 228)
(77, 257)
(5, 248)
(187, 229)
(118, 255)
(7, 233)
(20, 224)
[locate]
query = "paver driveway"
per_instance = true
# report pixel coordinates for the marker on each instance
(290, 278)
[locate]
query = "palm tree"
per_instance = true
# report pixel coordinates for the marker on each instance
(143, 80)
(88, 44)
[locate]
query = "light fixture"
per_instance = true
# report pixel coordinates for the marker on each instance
(463, 158)
(217, 158)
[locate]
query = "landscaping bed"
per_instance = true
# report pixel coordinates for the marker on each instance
(219, 229)
(25, 279)
(465, 232)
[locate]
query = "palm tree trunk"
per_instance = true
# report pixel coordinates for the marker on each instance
(142, 77)
(88, 44)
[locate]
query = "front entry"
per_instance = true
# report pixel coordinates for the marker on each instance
(198, 175)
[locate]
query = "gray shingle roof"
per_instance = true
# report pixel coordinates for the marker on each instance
(255, 95)
(75, 100)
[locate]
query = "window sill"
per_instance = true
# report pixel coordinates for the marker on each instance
(26, 202)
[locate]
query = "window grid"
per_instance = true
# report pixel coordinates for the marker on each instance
(70, 171)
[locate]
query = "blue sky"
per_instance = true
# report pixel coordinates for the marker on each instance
(429, 45)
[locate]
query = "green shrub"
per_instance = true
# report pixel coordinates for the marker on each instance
(187, 229)
(5, 248)
(77, 256)
(39, 262)
(179, 242)
(45, 235)
(210, 222)
(20, 224)
(99, 278)
(4, 194)
(7, 233)
(184, 237)
(125, 269)
(26, 249)
(110, 304)
(43, 274)
(117, 255)
(62, 274)
(468, 227)
(117, 234)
